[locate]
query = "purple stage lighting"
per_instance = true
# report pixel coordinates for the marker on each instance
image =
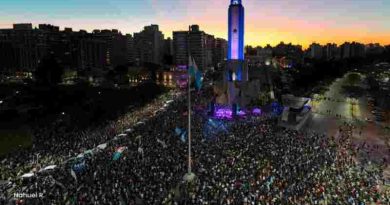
(241, 113)
(227, 113)
(223, 113)
(256, 111)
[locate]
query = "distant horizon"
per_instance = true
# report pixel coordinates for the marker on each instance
(266, 22)
(62, 28)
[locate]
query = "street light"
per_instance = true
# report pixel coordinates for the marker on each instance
(37, 154)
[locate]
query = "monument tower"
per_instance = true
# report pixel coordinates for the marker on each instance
(236, 31)
(236, 70)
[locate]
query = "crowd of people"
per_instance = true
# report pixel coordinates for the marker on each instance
(57, 142)
(255, 162)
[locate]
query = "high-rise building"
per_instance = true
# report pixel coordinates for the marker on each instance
(180, 48)
(25, 47)
(357, 50)
(315, 51)
(220, 51)
(87, 51)
(331, 51)
(22, 26)
(200, 45)
(374, 49)
(352, 50)
(210, 45)
(345, 50)
(250, 51)
(117, 45)
(197, 46)
(130, 48)
(149, 45)
(168, 51)
(168, 46)
(91, 53)
(265, 54)
(48, 27)
(22, 48)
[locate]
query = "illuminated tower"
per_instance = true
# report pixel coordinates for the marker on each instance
(236, 31)
(236, 71)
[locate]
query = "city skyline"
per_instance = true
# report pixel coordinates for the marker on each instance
(298, 21)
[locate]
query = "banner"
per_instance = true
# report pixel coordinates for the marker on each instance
(73, 174)
(118, 153)
(182, 133)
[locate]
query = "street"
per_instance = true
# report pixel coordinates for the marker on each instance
(334, 108)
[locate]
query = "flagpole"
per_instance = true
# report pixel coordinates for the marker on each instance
(189, 123)
(189, 176)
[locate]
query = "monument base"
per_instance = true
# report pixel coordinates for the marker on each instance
(189, 177)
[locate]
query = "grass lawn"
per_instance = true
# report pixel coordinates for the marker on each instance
(11, 139)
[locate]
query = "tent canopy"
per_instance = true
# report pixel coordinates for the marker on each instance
(129, 130)
(50, 167)
(28, 175)
(140, 123)
(102, 146)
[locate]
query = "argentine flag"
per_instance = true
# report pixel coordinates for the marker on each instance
(79, 167)
(194, 72)
(182, 133)
(118, 153)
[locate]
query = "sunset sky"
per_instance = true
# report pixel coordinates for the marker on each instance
(267, 21)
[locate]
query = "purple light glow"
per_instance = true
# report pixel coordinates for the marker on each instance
(182, 67)
(223, 113)
(256, 111)
(182, 83)
(307, 107)
(227, 113)
(241, 113)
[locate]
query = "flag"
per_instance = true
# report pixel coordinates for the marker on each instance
(194, 72)
(192, 67)
(162, 143)
(182, 133)
(73, 174)
(118, 153)
(178, 131)
(183, 136)
(71, 201)
(198, 80)
(79, 167)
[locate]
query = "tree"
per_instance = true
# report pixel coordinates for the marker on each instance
(152, 68)
(49, 71)
(110, 76)
(353, 79)
(121, 73)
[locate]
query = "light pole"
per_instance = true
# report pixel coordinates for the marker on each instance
(37, 155)
(189, 176)
(36, 181)
(353, 103)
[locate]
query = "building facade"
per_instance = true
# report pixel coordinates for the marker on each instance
(315, 51)
(149, 45)
(180, 48)
(204, 48)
